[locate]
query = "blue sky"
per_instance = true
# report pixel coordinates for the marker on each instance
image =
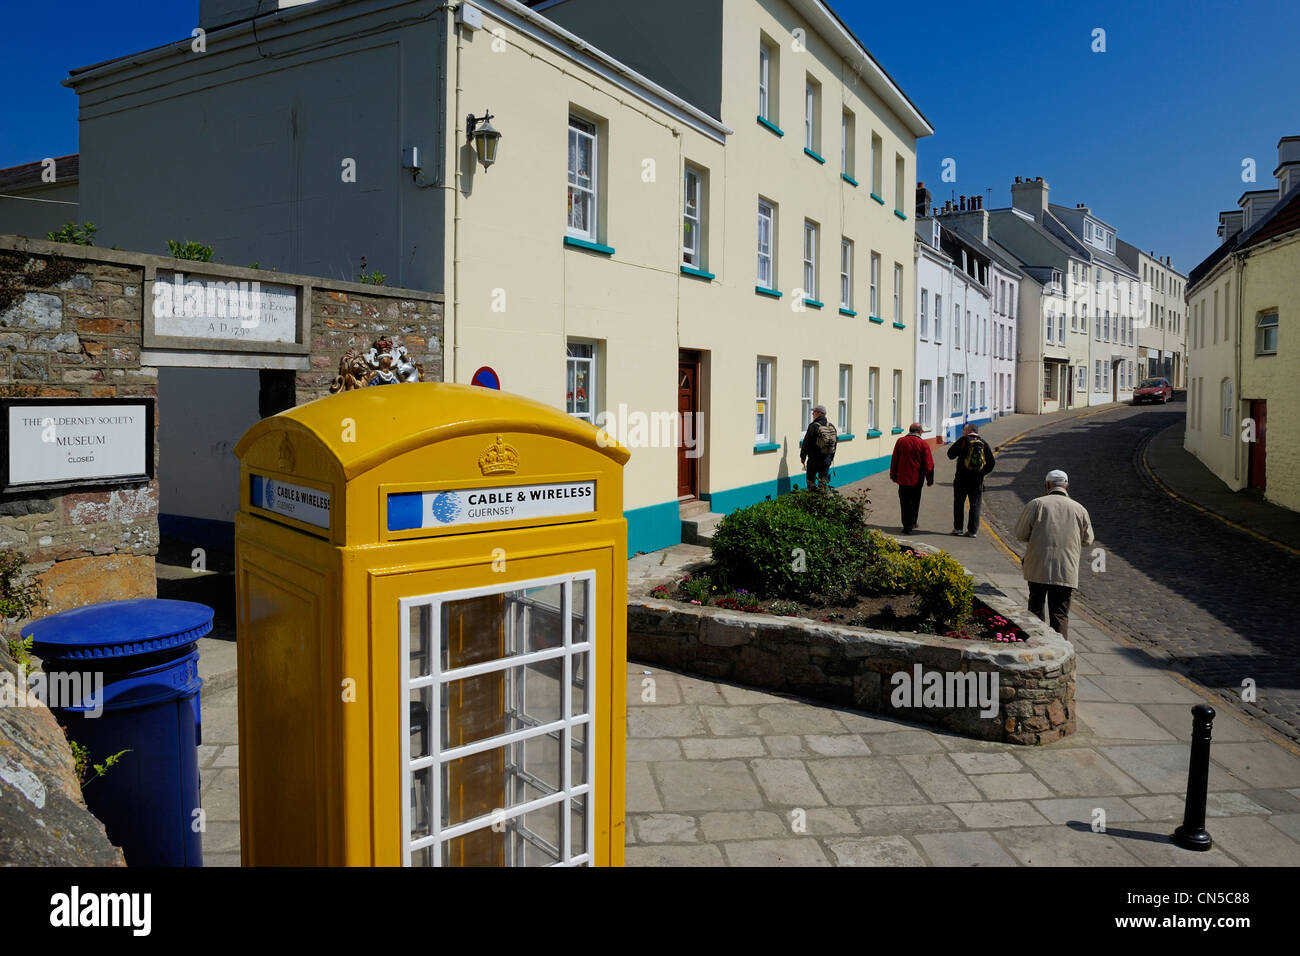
(1151, 133)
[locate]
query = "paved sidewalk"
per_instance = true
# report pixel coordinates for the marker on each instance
(725, 775)
(1182, 473)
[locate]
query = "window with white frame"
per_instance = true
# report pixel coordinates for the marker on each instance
(923, 403)
(809, 260)
(1225, 388)
(842, 422)
(956, 325)
(808, 397)
(925, 323)
(514, 783)
(1096, 381)
(846, 274)
(1082, 383)
(582, 179)
(900, 200)
(811, 115)
(898, 292)
(580, 380)
(877, 166)
(958, 394)
(873, 393)
(897, 415)
(938, 317)
(1266, 333)
(693, 218)
(1074, 317)
(983, 403)
(1060, 327)
(766, 244)
(1051, 328)
(875, 284)
(973, 406)
(767, 53)
(763, 402)
(847, 136)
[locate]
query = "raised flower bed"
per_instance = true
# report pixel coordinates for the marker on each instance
(859, 637)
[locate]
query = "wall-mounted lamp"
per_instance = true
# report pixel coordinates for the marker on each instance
(485, 137)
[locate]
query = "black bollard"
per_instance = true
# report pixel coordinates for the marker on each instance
(1192, 835)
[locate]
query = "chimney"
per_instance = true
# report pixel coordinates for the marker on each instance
(963, 203)
(1030, 197)
(922, 199)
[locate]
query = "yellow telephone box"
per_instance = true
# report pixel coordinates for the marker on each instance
(432, 590)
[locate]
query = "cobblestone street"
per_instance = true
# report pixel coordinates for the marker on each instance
(1211, 601)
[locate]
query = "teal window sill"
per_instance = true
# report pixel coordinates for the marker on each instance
(849, 179)
(895, 431)
(774, 293)
(589, 246)
(765, 447)
(768, 124)
(899, 214)
(873, 433)
(698, 273)
(899, 325)
(876, 319)
(809, 152)
(877, 199)
(849, 312)
(840, 438)
(814, 303)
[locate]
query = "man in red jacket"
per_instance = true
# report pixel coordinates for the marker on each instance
(911, 469)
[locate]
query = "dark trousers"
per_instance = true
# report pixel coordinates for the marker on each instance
(1057, 597)
(909, 499)
(960, 492)
(818, 471)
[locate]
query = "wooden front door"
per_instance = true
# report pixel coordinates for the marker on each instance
(688, 425)
(1259, 412)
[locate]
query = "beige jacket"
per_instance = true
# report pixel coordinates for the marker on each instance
(1057, 529)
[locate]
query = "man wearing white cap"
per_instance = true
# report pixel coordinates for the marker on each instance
(1058, 529)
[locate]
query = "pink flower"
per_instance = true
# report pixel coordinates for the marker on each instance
(693, 601)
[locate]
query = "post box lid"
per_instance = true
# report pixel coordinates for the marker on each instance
(119, 628)
(388, 420)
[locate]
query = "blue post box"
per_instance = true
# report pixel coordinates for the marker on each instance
(134, 668)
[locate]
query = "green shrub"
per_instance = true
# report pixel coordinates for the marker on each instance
(699, 587)
(78, 235)
(944, 591)
(189, 250)
(807, 545)
(888, 572)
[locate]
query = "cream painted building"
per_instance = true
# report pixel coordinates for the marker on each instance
(1161, 320)
(1243, 414)
(684, 232)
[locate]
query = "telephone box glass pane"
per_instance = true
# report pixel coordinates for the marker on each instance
(480, 629)
(421, 706)
(421, 800)
(578, 693)
(579, 622)
(500, 778)
(578, 827)
(578, 756)
(501, 702)
(419, 622)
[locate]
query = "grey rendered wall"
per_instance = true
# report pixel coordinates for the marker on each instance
(27, 217)
(676, 43)
(242, 147)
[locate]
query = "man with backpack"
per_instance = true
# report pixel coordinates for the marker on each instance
(974, 460)
(817, 450)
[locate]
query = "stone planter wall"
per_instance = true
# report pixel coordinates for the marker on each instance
(855, 667)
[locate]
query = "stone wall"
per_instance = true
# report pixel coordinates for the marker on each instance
(72, 330)
(347, 315)
(43, 818)
(854, 667)
(73, 324)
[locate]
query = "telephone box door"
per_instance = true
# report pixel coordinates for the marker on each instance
(504, 688)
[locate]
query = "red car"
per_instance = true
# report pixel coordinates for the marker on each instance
(1153, 390)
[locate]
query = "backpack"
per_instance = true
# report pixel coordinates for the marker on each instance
(974, 459)
(826, 439)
